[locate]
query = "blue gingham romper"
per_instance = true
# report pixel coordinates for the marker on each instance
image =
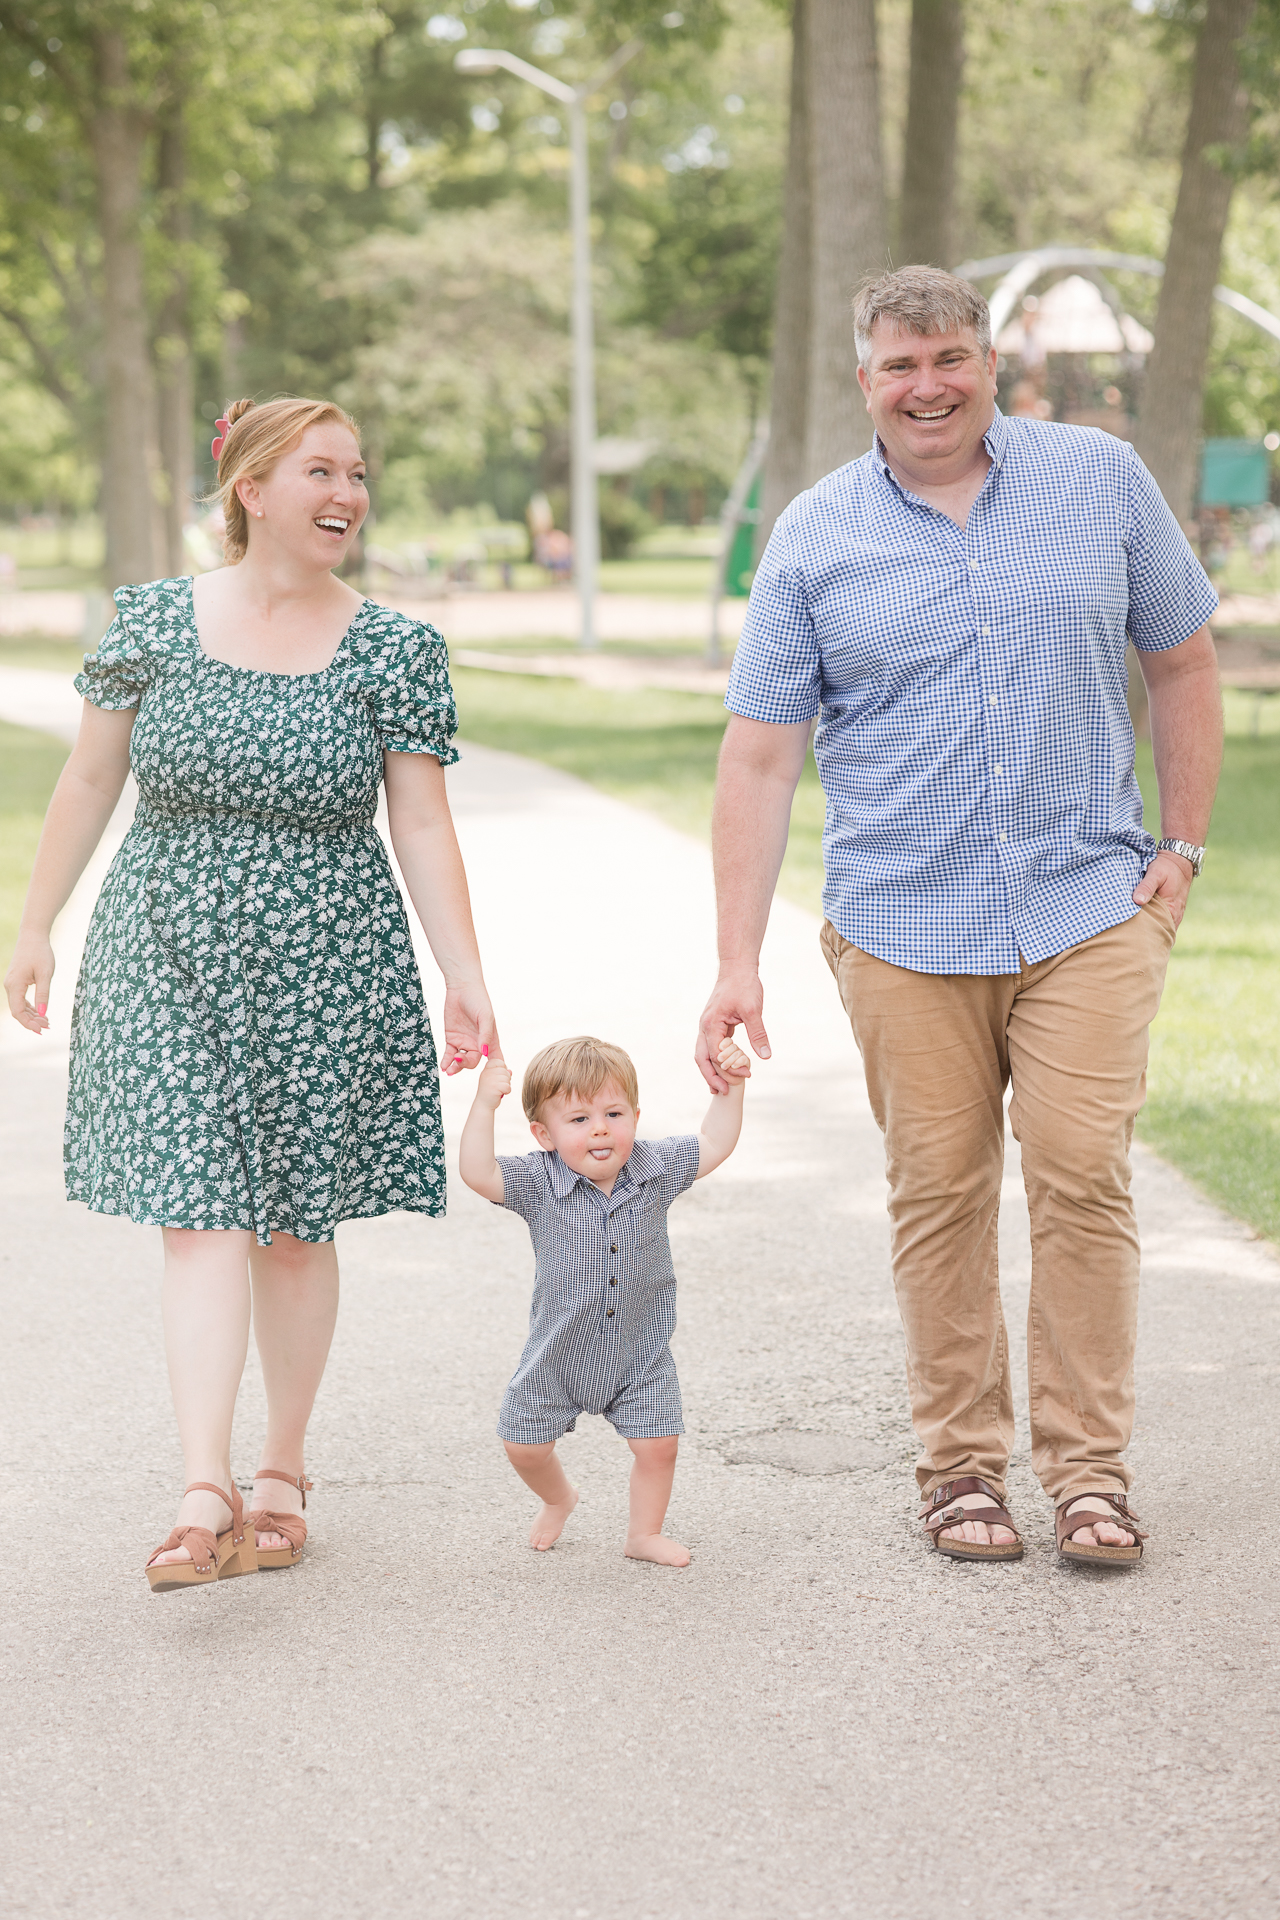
(604, 1294)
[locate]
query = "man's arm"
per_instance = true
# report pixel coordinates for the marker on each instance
(760, 764)
(1186, 740)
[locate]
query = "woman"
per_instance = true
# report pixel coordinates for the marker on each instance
(251, 1059)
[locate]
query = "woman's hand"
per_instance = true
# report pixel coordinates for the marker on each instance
(31, 967)
(469, 1030)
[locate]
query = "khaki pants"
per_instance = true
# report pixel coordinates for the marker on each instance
(939, 1050)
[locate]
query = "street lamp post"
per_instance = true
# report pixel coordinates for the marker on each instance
(586, 507)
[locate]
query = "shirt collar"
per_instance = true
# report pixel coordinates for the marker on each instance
(642, 1164)
(995, 440)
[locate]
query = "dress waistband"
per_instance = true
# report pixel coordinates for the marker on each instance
(233, 823)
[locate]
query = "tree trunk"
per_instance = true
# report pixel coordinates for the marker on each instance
(847, 220)
(1169, 418)
(117, 136)
(373, 114)
(175, 395)
(929, 146)
(784, 468)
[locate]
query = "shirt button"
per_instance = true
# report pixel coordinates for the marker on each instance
(1004, 836)
(986, 633)
(973, 566)
(993, 701)
(614, 1247)
(997, 768)
(612, 1281)
(608, 1313)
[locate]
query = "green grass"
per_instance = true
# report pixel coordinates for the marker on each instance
(38, 650)
(29, 767)
(657, 750)
(690, 579)
(1213, 1104)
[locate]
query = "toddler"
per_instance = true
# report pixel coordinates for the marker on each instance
(604, 1292)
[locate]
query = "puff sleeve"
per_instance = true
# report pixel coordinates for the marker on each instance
(118, 674)
(412, 699)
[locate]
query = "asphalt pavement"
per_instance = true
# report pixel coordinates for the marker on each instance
(818, 1718)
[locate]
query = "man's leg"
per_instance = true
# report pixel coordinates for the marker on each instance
(1078, 1034)
(934, 1050)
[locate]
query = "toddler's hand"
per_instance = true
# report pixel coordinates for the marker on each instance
(732, 1061)
(494, 1083)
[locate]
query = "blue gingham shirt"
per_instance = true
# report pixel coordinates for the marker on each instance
(973, 741)
(604, 1291)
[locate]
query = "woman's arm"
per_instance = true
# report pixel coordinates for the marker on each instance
(427, 849)
(477, 1162)
(84, 799)
(718, 1135)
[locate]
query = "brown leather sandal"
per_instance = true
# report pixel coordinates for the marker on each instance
(942, 1509)
(234, 1551)
(1088, 1553)
(291, 1525)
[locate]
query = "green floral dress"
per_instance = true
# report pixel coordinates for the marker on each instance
(250, 1047)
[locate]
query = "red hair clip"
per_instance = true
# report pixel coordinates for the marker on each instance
(224, 428)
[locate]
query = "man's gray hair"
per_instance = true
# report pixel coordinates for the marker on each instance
(920, 300)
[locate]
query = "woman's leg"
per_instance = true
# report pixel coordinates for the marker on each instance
(295, 1307)
(205, 1299)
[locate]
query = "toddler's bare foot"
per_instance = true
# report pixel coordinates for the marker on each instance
(549, 1525)
(656, 1547)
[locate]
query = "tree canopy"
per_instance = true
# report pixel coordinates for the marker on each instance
(317, 201)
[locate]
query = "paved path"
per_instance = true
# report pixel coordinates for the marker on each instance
(816, 1720)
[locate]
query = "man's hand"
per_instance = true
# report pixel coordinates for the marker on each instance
(1169, 876)
(735, 1002)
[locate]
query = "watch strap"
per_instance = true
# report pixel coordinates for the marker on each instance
(1187, 850)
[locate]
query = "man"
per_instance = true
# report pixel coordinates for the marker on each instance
(953, 609)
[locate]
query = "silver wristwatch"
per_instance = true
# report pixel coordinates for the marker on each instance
(1184, 847)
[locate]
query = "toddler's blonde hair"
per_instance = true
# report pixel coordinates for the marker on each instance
(582, 1065)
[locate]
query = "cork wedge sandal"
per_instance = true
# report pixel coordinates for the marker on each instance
(1088, 1553)
(943, 1509)
(231, 1552)
(291, 1525)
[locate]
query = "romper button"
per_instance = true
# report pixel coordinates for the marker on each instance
(608, 1313)
(612, 1281)
(614, 1247)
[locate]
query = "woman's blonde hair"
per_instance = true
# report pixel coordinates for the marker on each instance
(257, 437)
(582, 1065)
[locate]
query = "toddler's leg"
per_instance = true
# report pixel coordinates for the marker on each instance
(651, 1477)
(540, 1469)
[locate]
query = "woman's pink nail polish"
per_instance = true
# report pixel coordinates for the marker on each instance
(485, 1052)
(43, 1007)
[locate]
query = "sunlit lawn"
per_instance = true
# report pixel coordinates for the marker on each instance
(1213, 1106)
(1214, 1093)
(29, 767)
(657, 750)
